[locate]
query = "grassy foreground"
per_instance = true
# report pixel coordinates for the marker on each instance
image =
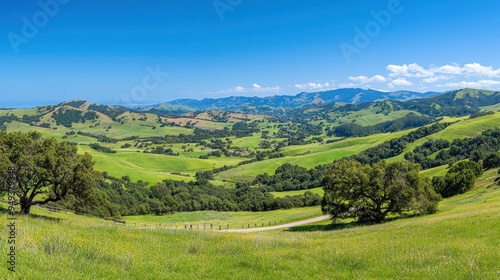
(459, 242)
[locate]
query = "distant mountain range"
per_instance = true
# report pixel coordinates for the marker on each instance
(324, 106)
(343, 96)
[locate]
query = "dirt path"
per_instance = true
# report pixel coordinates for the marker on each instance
(299, 223)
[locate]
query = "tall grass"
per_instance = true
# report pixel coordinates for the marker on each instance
(459, 242)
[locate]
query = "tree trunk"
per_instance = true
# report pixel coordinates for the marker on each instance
(25, 208)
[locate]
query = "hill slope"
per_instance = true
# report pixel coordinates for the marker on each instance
(346, 95)
(459, 242)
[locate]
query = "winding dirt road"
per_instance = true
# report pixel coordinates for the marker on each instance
(299, 223)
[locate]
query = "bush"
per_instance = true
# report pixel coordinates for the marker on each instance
(491, 161)
(459, 179)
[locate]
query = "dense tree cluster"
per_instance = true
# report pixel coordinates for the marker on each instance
(481, 114)
(292, 177)
(67, 117)
(482, 147)
(203, 134)
(396, 146)
(99, 137)
(115, 197)
(411, 120)
(102, 149)
(111, 111)
(491, 161)
(370, 193)
(242, 129)
(297, 132)
(460, 178)
(74, 104)
(162, 151)
(7, 119)
(420, 154)
(31, 120)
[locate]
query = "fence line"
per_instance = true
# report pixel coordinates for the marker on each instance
(188, 226)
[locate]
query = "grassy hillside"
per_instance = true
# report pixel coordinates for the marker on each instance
(309, 155)
(459, 130)
(153, 168)
(459, 242)
(319, 191)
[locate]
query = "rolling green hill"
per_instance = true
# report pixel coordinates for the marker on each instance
(132, 127)
(458, 242)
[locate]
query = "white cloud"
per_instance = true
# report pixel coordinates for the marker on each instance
(448, 69)
(435, 79)
(411, 70)
(254, 89)
(399, 82)
(477, 84)
(479, 70)
(416, 71)
(366, 80)
(313, 86)
(348, 85)
(458, 76)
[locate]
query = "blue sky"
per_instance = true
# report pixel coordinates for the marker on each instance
(148, 51)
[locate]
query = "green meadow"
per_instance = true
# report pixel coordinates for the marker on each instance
(462, 128)
(309, 156)
(153, 168)
(459, 242)
(318, 191)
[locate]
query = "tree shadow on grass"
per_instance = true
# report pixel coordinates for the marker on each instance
(35, 216)
(3, 210)
(340, 226)
(329, 227)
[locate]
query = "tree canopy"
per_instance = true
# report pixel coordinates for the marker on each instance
(45, 170)
(370, 193)
(460, 178)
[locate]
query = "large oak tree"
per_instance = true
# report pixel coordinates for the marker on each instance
(45, 170)
(372, 192)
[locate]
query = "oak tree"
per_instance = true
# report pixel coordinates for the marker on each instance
(45, 170)
(370, 193)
